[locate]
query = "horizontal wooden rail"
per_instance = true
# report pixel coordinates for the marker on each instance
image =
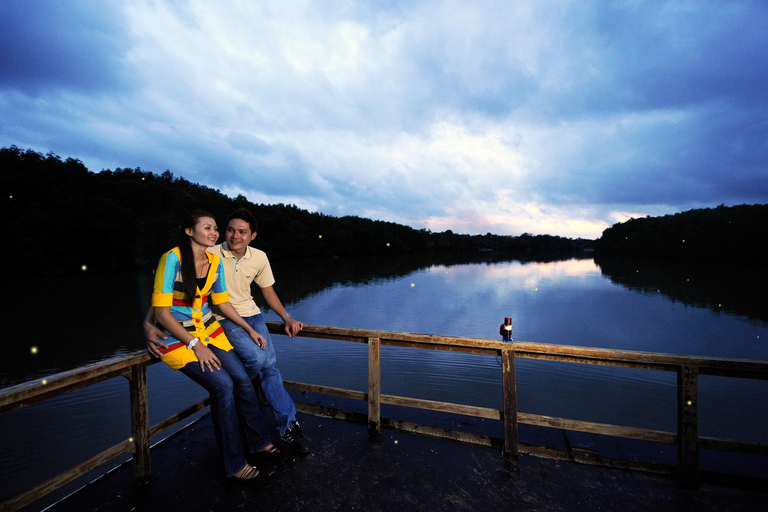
(741, 368)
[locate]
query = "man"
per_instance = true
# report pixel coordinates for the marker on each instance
(242, 265)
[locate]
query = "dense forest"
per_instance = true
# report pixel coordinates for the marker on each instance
(63, 217)
(725, 234)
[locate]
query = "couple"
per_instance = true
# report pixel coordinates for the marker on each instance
(224, 357)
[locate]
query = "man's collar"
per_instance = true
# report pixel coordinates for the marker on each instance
(225, 250)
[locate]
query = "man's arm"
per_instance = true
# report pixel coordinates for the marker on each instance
(273, 301)
(152, 334)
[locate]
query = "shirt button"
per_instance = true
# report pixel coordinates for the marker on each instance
(197, 320)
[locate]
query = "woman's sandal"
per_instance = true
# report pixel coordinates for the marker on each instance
(248, 475)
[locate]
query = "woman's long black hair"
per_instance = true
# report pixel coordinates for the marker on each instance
(188, 272)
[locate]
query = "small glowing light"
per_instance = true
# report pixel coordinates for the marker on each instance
(142, 178)
(387, 244)
(43, 382)
(637, 271)
(33, 350)
(130, 439)
(719, 305)
(83, 267)
(11, 196)
(535, 289)
(319, 236)
(413, 285)
(683, 240)
(689, 402)
(395, 441)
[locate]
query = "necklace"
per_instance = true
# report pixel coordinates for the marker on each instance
(202, 268)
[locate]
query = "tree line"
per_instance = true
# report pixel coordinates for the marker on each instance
(723, 234)
(63, 217)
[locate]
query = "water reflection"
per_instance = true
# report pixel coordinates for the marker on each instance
(732, 289)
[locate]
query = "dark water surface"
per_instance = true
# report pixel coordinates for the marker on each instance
(692, 309)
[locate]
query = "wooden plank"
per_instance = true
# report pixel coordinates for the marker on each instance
(23, 394)
(596, 362)
(750, 368)
(140, 424)
(467, 410)
(21, 400)
(688, 427)
(729, 445)
(324, 390)
(643, 434)
(34, 494)
(374, 386)
(442, 433)
(509, 386)
(176, 418)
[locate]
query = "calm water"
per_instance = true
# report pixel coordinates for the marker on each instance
(661, 307)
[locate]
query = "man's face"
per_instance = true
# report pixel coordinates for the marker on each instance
(238, 235)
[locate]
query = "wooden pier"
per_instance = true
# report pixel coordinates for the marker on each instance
(515, 460)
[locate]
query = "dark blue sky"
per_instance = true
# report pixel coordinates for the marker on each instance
(503, 117)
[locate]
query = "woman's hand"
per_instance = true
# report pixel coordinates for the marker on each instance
(257, 338)
(206, 357)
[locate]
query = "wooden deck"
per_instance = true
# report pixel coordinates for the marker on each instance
(397, 471)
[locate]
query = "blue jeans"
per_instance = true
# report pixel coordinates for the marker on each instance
(261, 363)
(234, 405)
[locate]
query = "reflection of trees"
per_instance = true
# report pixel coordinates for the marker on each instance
(735, 289)
(301, 278)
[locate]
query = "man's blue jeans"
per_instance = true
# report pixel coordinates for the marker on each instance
(261, 363)
(233, 405)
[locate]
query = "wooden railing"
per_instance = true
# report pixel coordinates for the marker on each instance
(687, 369)
(686, 438)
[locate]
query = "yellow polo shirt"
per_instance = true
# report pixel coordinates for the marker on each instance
(239, 274)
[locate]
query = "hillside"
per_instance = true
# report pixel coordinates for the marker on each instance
(62, 216)
(726, 233)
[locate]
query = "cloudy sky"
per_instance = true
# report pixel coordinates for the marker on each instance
(558, 117)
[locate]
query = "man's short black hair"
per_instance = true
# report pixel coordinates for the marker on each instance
(246, 215)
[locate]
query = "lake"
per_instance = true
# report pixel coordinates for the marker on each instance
(680, 308)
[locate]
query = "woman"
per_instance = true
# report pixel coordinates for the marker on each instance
(187, 278)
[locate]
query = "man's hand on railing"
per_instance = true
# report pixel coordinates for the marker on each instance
(292, 326)
(152, 337)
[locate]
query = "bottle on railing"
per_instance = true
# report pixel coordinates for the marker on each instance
(505, 329)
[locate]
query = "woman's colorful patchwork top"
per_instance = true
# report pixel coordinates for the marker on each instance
(196, 317)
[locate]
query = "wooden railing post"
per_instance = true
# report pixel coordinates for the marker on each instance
(374, 386)
(688, 426)
(510, 403)
(140, 423)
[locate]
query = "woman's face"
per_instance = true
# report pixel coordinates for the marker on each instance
(205, 232)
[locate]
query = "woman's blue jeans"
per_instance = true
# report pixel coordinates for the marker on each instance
(234, 405)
